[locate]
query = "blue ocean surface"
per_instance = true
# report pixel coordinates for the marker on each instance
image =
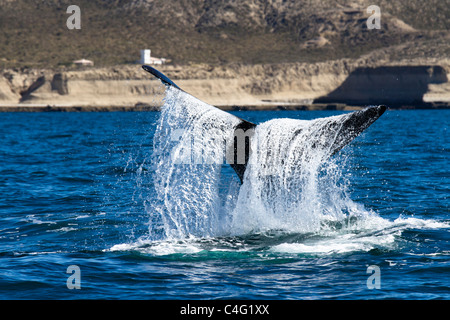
(77, 189)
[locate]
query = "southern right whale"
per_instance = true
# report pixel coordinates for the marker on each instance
(330, 137)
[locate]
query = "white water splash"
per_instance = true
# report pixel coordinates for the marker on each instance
(189, 145)
(291, 187)
(290, 182)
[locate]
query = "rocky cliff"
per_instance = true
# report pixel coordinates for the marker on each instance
(391, 85)
(296, 85)
(265, 53)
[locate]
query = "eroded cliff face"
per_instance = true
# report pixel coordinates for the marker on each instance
(340, 81)
(393, 85)
(238, 85)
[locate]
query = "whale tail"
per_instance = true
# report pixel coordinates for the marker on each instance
(334, 134)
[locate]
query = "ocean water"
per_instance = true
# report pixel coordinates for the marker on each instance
(98, 206)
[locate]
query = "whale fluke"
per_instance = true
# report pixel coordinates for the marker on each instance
(160, 76)
(330, 137)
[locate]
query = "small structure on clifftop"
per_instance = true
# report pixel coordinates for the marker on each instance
(146, 58)
(84, 63)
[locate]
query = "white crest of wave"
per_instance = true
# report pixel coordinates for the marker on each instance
(158, 248)
(363, 235)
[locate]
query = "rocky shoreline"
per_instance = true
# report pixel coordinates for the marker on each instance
(331, 85)
(150, 108)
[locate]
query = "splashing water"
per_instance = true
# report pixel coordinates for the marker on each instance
(294, 198)
(188, 155)
(290, 183)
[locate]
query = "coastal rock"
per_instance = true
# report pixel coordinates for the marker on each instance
(327, 84)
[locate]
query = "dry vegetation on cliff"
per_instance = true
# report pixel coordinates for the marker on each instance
(34, 33)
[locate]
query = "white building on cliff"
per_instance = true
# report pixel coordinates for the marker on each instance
(146, 58)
